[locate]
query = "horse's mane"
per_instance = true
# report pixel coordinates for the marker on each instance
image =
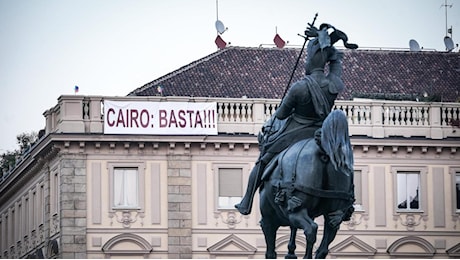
(335, 141)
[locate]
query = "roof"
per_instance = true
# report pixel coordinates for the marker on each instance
(235, 72)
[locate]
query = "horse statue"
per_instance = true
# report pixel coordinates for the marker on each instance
(311, 178)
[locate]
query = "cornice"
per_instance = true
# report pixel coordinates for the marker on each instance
(27, 168)
(82, 142)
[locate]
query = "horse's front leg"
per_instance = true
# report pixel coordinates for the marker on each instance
(301, 220)
(310, 235)
(330, 231)
(291, 245)
(269, 229)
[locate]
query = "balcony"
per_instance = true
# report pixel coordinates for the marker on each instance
(371, 118)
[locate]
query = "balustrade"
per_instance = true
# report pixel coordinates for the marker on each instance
(373, 118)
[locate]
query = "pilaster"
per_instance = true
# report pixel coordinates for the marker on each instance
(179, 207)
(73, 206)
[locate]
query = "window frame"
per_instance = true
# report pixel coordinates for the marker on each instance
(454, 172)
(423, 197)
(364, 187)
(244, 179)
(410, 179)
(111, 166)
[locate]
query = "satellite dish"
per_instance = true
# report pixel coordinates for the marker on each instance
(449, 43)
(413, 45)
(220, 27)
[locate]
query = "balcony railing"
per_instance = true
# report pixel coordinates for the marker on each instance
(372, 118)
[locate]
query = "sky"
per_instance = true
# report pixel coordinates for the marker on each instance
(111, 47)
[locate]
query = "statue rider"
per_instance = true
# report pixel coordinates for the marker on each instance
(304, 108)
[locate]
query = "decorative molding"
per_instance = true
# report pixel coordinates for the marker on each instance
(410, 221)
(227, 247)
(352, 246)
(19, 247)
(428, 249)
(409, 149)
(140, 242)
(455, 219)
(454, 251)
(365, 148)
(231, 218)
(55, 221)
(356, 219)
(126, 218)
(81, 146)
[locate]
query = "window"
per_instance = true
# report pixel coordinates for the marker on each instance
(457, 191)
(54, 193)
(230, 187)
(26, 216)
(408, 189)
(357, 181)
(127, 185)
(125, 188)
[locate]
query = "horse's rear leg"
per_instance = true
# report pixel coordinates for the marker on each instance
(269, 230)
(291, 245)
(302, 220)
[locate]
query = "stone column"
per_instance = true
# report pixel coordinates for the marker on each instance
(73, 207)
(179, 207)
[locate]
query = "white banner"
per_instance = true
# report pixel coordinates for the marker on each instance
(160, 118)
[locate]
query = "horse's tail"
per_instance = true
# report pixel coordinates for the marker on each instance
(335, 141)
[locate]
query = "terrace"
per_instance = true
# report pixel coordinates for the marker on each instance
(371, 118)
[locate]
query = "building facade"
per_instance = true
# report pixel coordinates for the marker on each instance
(82, 193)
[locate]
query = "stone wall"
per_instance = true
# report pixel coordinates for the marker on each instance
(179, 207)
(73, 206)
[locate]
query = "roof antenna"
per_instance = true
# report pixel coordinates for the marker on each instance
(445, 6)
(448, 42)
(220, 29)
(219, 24)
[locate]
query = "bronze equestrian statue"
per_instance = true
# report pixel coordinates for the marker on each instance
(311, 178)
(299, 117)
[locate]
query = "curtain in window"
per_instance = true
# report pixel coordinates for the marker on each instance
(230, 182)
(125, 188)
(408, 190)
(230, 187)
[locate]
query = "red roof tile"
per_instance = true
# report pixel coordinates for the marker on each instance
(264, 73)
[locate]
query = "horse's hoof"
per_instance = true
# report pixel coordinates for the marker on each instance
(243, 211)
(290, 256)
(270, 255)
